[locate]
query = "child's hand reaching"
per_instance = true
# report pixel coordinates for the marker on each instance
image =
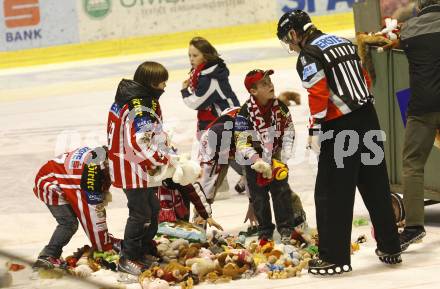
(185, 84)
(213, 223)
(250, 216)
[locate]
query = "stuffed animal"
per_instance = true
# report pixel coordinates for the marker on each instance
(215, 278)
(232, 270)
(206, 253)
(391, 29)
(187, 171)
(200, 266)
(437, 139)
(287, 96)
(187, 284)
(174, 272)
(82, 271)
(157, 283)
(364, 41)
(166, 252)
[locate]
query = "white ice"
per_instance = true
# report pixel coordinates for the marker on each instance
(49, 109)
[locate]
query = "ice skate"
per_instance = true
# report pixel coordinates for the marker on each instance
(390, 259)
(411, 235)
(321, 267)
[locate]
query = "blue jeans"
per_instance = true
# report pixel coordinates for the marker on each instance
(66, 228)
(142, 222)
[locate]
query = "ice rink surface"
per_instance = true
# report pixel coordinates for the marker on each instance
(50, 109)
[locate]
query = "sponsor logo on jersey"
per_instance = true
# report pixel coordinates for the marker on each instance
(92, 171)
(241, 123)
(94, 198)
(142, 124)
(78, 158)
(115, 109)
(309, 70)
(327, 41)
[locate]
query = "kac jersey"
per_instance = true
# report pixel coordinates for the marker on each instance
(59, 181)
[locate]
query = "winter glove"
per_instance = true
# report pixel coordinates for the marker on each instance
(264, 168)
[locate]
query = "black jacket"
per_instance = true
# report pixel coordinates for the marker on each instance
(420, 38)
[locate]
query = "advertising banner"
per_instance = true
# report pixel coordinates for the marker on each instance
(37, 23)
(315, 7)
(114, 19)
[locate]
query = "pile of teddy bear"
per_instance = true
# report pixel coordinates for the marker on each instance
(220, 259)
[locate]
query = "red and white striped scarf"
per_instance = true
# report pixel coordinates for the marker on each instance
(171, 205)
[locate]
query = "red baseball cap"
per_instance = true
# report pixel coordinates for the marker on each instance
(254, 76)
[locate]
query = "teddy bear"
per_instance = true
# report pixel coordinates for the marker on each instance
(187, 284)
(391, 29)
(201, 266)
(290, 96)
(232, 270)
(174, 272)
(157, 283)
(217, 278)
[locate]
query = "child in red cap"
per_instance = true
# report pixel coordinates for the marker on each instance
(264, 135)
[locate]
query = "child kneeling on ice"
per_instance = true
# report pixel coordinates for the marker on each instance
(174, 202)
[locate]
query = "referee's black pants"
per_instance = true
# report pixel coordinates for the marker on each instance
(336, 186)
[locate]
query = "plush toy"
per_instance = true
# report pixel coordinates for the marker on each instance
(232, 270)
(263, 168)
(166, 252)
(215, 278)
(200, 266)
(391, 29)
(178, 244)
(187, 171)
(437, 139)
(187, 284)
(206, 253)
(287, 96)
(364, 41)
(259, 258)
(157, 283)
(82, 271)
(182, 230)
(243, 257)
(174, 272)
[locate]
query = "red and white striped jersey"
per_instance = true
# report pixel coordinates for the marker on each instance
(58, 182)
(136, 142)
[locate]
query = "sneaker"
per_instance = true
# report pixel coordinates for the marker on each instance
(130, 266)
(390, 259)
(411, 235)
(49, 262)
(147, 261)
(321, 267)
(286, 236)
